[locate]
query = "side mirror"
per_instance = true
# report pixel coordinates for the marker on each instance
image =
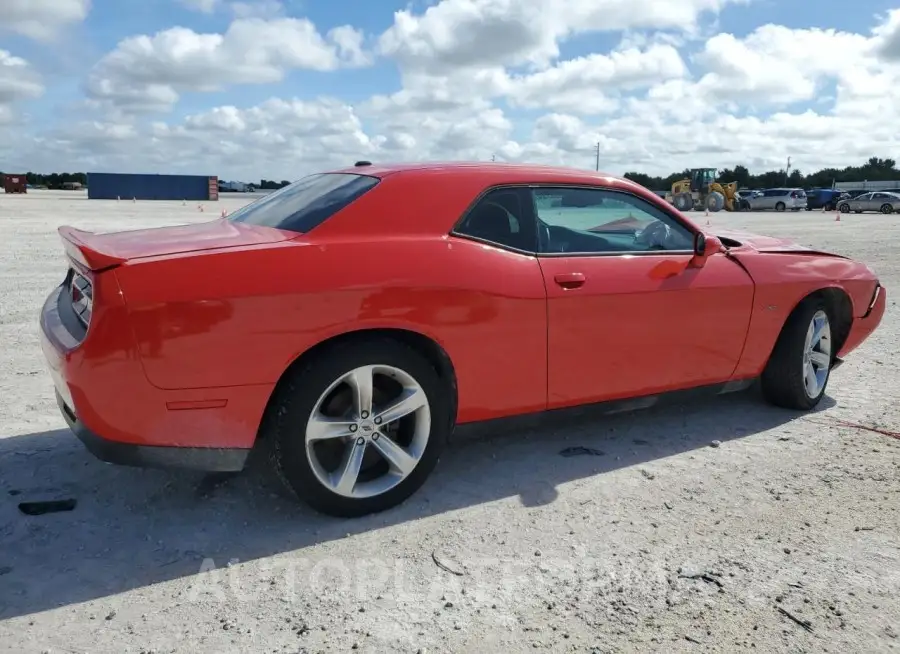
(704, 247)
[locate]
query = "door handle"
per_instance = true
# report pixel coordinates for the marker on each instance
(569, 280)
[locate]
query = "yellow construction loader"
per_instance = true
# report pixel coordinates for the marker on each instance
(702, 192)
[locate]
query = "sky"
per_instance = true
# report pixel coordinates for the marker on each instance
(277, 89)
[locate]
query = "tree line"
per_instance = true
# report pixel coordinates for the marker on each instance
(874, 170)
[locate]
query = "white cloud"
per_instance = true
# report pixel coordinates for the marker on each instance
(473, 33)
(484, 77)
(41, 19)
(887, 37)
(589, 85)
(18, 81)
(776, 65)
(148, 72)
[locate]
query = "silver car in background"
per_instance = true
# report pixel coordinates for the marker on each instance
(881, 201)
(779, 199)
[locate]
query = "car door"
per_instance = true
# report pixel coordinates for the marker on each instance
(763, 201)
(626, 314)
(860, 202)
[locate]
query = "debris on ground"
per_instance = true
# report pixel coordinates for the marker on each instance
(806, 624)
(48, 506)
(581, 451)
(444, 566)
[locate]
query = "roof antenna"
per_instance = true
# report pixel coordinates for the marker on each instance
(360, 164)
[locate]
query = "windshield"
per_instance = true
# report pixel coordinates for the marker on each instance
(308, 202)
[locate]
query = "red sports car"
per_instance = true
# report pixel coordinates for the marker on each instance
(353, 318)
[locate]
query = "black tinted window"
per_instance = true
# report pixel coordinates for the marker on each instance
(306, 203)
(501, 217)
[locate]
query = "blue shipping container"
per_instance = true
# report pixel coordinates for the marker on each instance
(109, 186)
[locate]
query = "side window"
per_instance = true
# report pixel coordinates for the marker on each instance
(582, 220)
(502, 217)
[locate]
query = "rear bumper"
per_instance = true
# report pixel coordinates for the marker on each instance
(121, 418)
(863, 327)
(149, 456)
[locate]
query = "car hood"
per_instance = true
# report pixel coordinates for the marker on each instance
(162, 241)
(768, 243)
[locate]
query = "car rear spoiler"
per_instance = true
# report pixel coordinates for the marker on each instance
(82, 247)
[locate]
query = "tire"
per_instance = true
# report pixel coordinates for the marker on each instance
(684, 201)
(795, 364)
(715, 201)
(886, 208)
(417, 439)
(845, 208)
(780, 206)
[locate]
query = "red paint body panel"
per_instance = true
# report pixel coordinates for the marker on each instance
(299, 295)
(103, 378)
(193, 326)
(782, 281)
(864, 326)
(643, 324)
(119, 247)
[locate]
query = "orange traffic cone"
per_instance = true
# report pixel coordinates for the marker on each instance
(837, 218)
(224, 213)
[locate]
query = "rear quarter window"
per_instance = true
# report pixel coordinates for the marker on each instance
(307, 203)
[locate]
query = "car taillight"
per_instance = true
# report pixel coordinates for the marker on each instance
(81, 291)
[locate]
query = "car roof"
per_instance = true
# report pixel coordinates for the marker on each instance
(499, 172)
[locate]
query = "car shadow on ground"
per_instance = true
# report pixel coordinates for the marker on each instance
(132, 527)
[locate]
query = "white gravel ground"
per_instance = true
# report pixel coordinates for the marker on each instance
(662, 543)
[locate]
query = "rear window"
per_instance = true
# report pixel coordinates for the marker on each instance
(308, 202)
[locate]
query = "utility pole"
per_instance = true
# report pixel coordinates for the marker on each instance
(597, 148)
(493, 157)
(787, 171)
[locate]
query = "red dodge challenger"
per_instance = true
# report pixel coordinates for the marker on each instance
(353, 318)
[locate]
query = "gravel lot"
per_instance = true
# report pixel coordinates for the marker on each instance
(702, 527)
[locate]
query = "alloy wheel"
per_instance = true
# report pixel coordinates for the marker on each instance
(368, 431)
(817, 354)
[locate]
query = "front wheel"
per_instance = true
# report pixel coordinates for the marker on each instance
(359, 429)
(798, 370)
(845, 208)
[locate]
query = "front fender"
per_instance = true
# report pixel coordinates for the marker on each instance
(783, 281)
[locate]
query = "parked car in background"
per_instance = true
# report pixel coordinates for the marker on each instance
(819, 198)
(779, 199)
(881, 201)
(744, 197)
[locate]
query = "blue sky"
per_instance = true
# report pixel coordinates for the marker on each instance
(75, 59)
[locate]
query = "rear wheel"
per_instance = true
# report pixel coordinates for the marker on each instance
(799, 368)
(780, 206)
(886, 208)
(360, 428)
